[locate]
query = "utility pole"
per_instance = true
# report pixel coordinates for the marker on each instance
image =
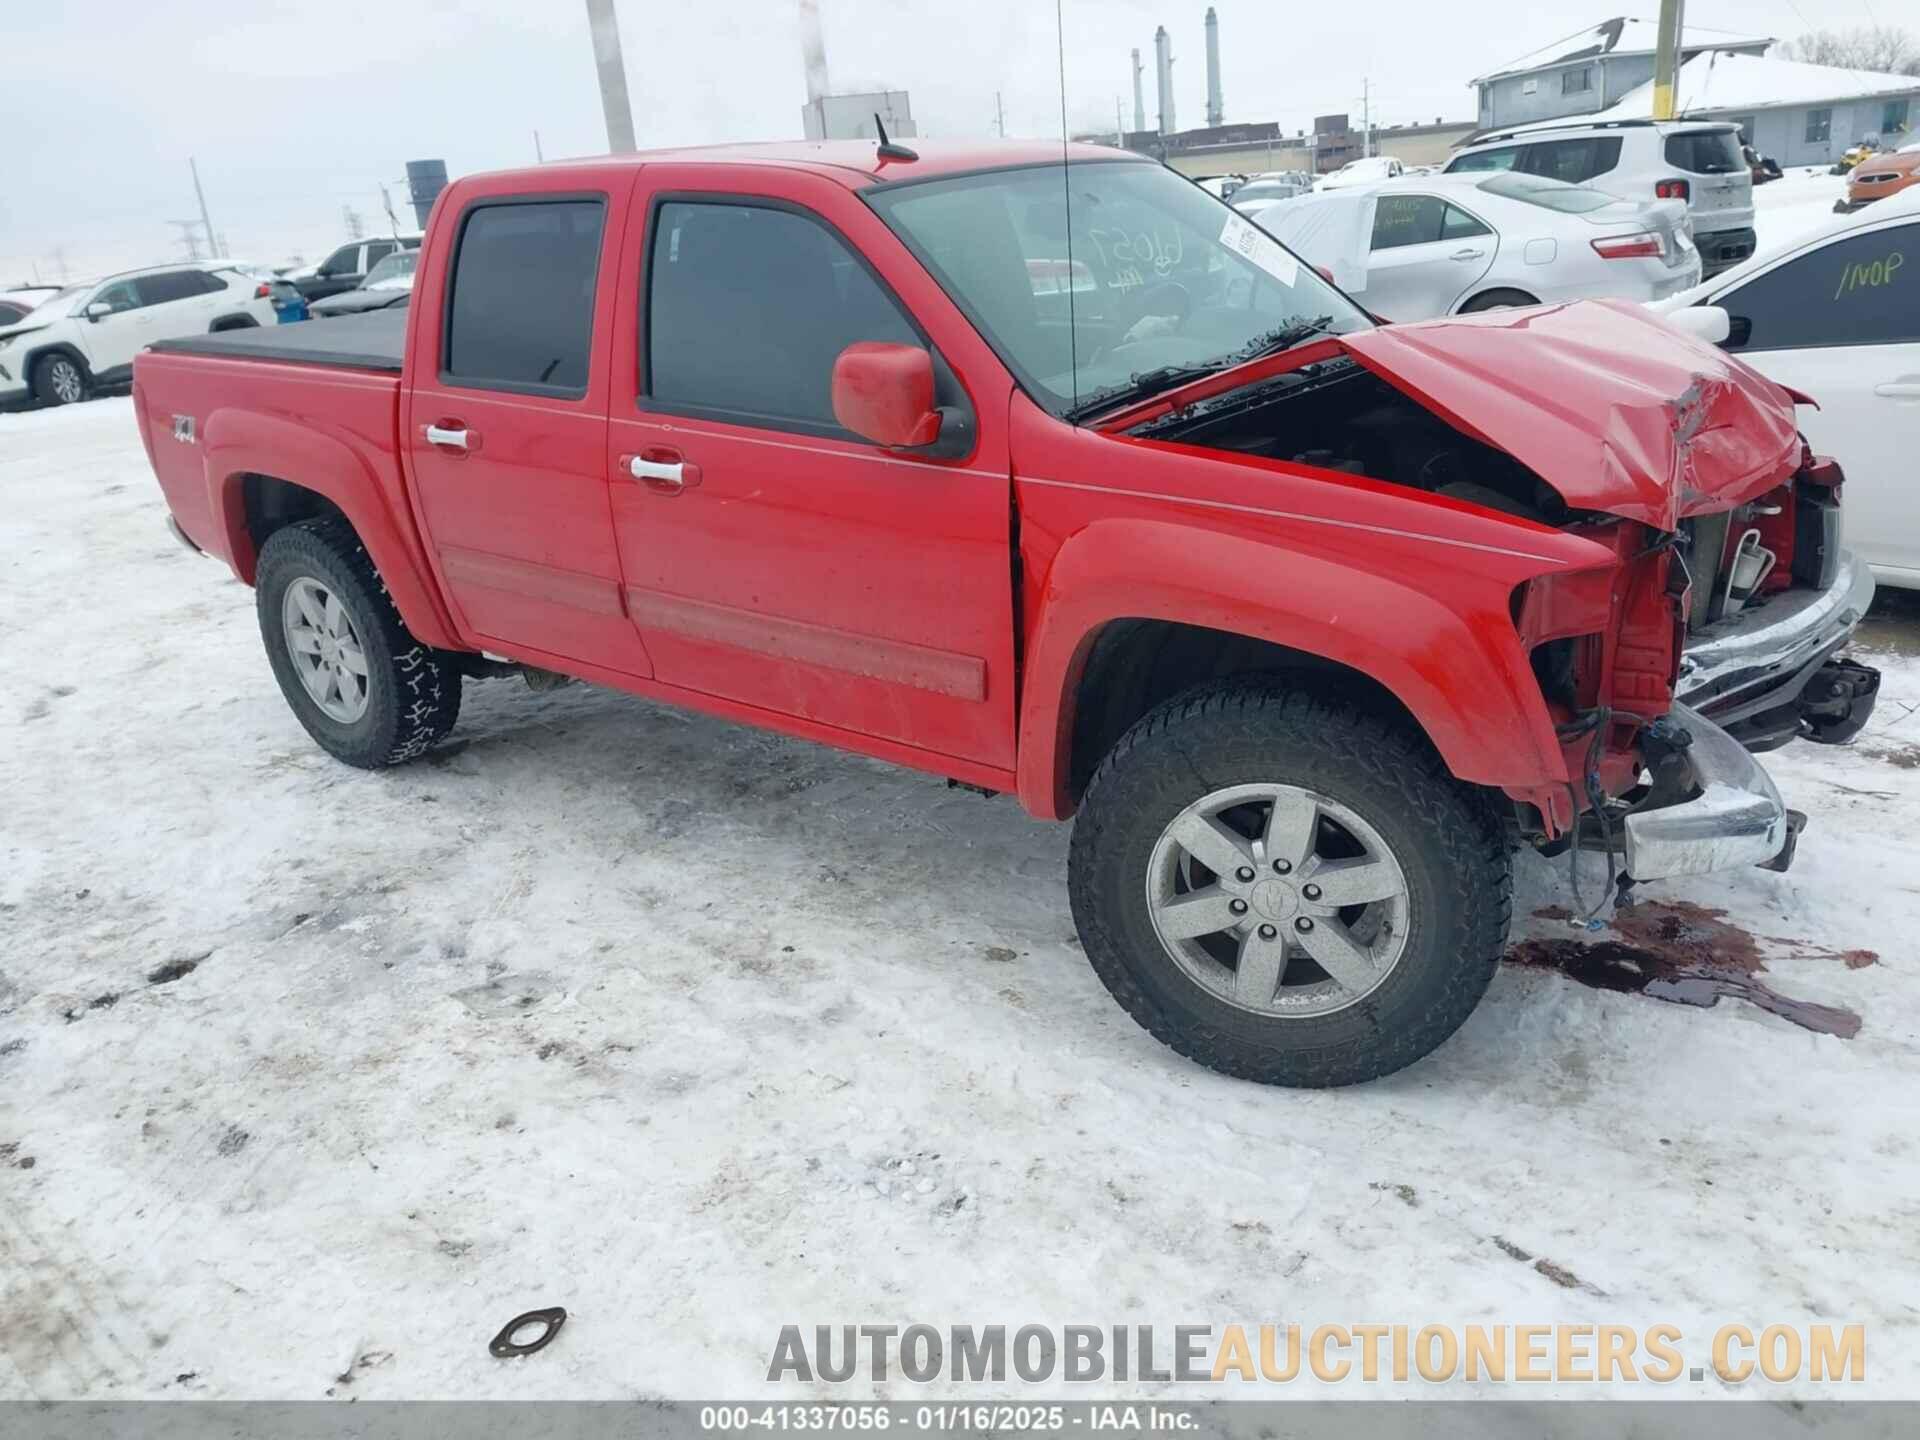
(999, 115)
(1119, 126)
(350, 218)
(613, 76)
(538, 157)
(1666, 57)
(1366, 117)
(201, 196)
(189, 236)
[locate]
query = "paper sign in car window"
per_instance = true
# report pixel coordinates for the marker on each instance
(1253, 244)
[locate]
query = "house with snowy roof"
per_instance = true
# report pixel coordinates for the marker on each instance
(1591, 70)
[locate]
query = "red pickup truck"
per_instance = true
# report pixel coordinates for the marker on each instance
(1053, 475)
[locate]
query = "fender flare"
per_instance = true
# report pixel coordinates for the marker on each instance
(1454, 661)
(32, 357)
(238, 443)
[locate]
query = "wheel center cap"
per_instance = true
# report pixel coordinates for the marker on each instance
(1274, 900)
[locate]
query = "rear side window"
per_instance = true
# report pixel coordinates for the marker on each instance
(749, 306)
(1704, 152)
(174, 285)
(1573, 161)
(520, 312)
(1503, 158)
(1864, 290)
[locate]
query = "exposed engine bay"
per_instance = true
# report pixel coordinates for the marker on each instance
(1338, 415)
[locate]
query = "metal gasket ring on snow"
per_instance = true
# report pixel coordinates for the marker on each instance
(503, 1344)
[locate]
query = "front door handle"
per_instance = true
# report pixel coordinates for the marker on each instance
(1907, 387)
(662, 470)
(449, 437)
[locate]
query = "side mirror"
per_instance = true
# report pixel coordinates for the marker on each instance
(1704, 322)
(884, 393)
(99, 310)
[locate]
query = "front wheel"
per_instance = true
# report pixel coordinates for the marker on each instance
(363, 687)
(59, 380)
(1287, 889)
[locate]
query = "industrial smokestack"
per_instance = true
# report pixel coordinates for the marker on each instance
(1163, 70)
(1139, 100)
(813, 50)
(1216, 112)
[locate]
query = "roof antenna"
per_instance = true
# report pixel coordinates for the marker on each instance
(888, 150)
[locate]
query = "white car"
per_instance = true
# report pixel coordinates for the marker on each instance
(84, 338)
(1836, 316)
(1699, 162)
(1411, 249)
(1361, 172)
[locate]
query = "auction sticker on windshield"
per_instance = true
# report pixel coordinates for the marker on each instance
(1250, 242)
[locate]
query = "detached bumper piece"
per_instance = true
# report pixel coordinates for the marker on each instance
(1771, 673)
(1724, 811)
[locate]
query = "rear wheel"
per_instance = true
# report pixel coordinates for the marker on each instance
(363, 687)
(59, 380)
(1287, 889)
(1497, 300)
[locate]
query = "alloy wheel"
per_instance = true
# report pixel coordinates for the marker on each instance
(326, 648)
(1278, 900)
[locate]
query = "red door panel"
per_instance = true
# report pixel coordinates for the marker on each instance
(814, 574)
(511, 483)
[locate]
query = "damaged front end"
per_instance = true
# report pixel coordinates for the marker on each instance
(1713, 629)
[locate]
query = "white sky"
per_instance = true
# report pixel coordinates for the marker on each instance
(296, 108)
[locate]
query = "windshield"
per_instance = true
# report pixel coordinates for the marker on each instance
(1153, 272)
(1548, 194)
(394, 271)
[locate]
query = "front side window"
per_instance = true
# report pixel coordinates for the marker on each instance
(1863, 290)
(121, 295)
(1163, 273)
(1819, 126)
(748, 307)
(520, 307)
(344, 261)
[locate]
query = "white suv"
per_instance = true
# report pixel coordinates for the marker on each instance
(1696, 161)
(85, 337)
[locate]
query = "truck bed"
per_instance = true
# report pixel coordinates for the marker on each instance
(374, 341)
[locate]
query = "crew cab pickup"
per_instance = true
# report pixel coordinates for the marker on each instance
(1052, 475)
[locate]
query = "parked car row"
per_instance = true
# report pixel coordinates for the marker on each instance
(1836, 316)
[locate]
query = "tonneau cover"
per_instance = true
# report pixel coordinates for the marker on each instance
(373, 341)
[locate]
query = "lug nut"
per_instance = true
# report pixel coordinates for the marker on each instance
(1303, 924)
(1238, 907)
(1243, 874)
(1267, 932)
(1281, 867)
(1312, 892)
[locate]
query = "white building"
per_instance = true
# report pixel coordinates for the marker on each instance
(1796, 113)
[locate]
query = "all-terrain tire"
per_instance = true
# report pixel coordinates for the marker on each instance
(1448, 841)
(413, 690)
(59, 379)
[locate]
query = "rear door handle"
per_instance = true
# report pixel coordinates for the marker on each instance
(449, 437)
(1468, 254)
(662, 470)
(1907, 387)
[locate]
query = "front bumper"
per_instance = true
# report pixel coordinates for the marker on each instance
(1750, 673)
(1733, 817)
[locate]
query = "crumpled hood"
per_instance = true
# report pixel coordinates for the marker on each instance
(1609, 405)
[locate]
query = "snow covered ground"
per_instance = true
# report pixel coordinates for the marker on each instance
(310, 1078)
(1795, 205)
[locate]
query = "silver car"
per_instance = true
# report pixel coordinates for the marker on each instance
(1428, 245)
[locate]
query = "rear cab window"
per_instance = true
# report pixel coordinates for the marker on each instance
(519, 310)
(1705, 152)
